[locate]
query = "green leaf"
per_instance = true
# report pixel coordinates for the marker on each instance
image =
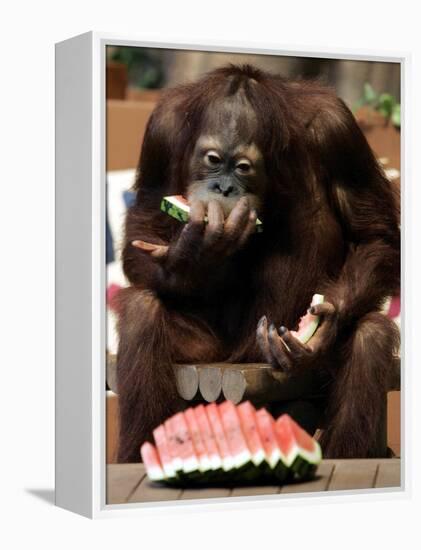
(369, 94)
(396, 115)
(386, 104)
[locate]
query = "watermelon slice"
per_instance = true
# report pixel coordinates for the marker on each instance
(302, 453)
(198, 443)
(152, 463)
(183, 445)
(208, 438)
(164, 452)
(274, 458)
(240, 451)
(234, 435)
(247, 415)
(176, 460)
(308, 323)
(178, 207)
(221, 441)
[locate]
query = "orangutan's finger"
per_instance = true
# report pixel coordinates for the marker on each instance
(262, 338)
(279, 349)
(297, 349)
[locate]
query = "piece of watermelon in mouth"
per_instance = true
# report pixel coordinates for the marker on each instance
(301, 451)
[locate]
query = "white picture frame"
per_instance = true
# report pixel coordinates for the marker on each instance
(80, 273)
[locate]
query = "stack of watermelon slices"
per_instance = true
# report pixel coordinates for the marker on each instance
(229, 444)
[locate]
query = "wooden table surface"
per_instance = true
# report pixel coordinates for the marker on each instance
(129, 483)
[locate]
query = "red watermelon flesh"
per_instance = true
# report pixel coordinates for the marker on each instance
(294, 441)
(208, 437)
(164, 452)
(308, 323)
(196, 436)
(177, 461)
(234, 435)
(265, 424)
(183, 445)
(181, 199)
(247, 415)
(151, 461)
(218, 431)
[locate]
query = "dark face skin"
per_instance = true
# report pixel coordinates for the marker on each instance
(226, 164)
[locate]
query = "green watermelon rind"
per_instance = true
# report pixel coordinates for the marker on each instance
(303, 464)
(182, 214)
(298, 465)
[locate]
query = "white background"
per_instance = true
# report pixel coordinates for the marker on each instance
(28, 32)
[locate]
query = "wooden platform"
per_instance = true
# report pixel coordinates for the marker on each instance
(129, 483)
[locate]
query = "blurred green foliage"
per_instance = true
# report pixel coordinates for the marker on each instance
(144, 66)
(384, 103)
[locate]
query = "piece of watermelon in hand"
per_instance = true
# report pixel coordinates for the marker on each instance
(151, 462)
(301, 451)
(308, 323)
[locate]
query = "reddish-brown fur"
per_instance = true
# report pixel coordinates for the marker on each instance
(330, 226)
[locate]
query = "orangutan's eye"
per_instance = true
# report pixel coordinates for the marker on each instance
(212, 158)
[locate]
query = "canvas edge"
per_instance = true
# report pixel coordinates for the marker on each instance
(98, 506)
(73, 267)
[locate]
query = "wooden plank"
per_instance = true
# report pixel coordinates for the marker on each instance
(394, 421)
(112, 427)
(353, 474)
(319, 483)
(389, 474)
(122, 479)
(378, 461)
(128, 483)
(260, 382)
(187, 380)
(209, 492)
(210, 382)
(246, 381)
(111, 372)
(148, 491)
